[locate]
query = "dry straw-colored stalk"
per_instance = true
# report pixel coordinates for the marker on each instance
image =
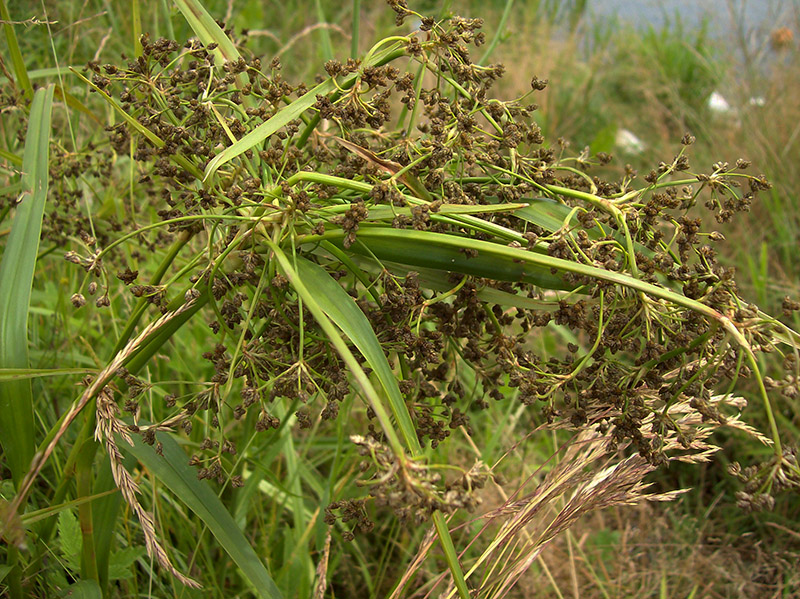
(589, 476)
(107, 425)
(110, 426)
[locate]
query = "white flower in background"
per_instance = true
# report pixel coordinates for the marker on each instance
(628, 142)
(717, 103)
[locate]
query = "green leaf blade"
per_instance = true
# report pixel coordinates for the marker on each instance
(16, 280)
(343, 311)
(174, 472)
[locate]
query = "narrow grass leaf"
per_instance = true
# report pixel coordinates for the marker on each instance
(17, 374)
(174, 472)
(16, 279)
(271, 126)
(29, 518)
(105, 512)
(291, 112)
(342, 309)
(11, 157)
(331, 331)
(207, 30)
(13, 47)
(76, 104)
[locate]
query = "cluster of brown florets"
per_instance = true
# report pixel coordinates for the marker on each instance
(634, 359)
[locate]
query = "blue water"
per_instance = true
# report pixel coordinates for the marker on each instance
(757, 17)
(743, 26)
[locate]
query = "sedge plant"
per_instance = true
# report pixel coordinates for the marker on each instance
(372, 257)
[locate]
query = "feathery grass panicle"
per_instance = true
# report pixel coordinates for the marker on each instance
(109, 427)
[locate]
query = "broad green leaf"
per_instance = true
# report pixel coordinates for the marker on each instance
(343, 311)
(84, 589)
(504, 263)
(446, 253)
(16, 279)
(175, 474)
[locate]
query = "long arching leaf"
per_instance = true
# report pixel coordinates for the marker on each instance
(174, 472)
(16, 279)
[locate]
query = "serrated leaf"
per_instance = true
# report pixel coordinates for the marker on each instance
(119, 566)
(69, 539)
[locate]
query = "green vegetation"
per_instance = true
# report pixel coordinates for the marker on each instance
(315, 311)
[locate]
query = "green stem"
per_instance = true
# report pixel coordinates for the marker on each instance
(136, 17)
(385, 57)
(355, 28)
(498, 32)
(762, 391)
(84, 487)
(325, 35)
(450, 555)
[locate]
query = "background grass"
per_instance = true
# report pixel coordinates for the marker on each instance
(605, 77)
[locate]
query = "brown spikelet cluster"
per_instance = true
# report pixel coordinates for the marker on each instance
(390, 243)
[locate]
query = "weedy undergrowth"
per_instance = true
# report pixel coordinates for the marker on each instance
(394, 237)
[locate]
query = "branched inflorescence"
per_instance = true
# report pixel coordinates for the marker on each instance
(458, 231)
